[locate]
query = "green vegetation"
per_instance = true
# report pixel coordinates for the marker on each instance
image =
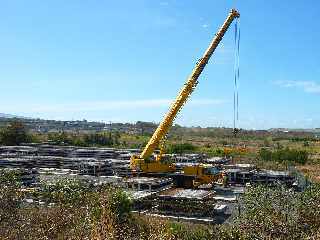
(120, 205)
(64, 192)
(181, 148)
(14, 134)
(265, 149)
(10, 198)
(284, 155)
(74, 210)
(85, 140)
(212, 151)
(279, 213)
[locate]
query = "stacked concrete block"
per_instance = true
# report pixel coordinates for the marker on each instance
(148, 183)
(97, 168)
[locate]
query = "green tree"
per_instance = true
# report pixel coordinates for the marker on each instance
(14, 134)
(181, 148)
(265, 154)
(266, 142)
(120, 204)
(284, 155)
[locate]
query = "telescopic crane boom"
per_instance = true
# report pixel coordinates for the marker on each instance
(142, 161)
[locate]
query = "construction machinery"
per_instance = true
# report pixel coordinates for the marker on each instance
(145, 162)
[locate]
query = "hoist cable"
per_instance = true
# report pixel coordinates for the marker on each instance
(238, 70)
(236, 74)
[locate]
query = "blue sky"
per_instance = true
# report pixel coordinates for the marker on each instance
(124, 61)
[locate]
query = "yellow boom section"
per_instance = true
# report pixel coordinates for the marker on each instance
(187, 89)
(141, 162)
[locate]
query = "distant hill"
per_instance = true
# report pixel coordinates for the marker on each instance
(4, 115)
(148, 128)
(310, 130)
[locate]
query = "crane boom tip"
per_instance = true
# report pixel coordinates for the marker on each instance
(235, 12)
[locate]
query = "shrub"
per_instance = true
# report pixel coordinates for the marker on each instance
(10, 196)
(64, 191)
(280, 213)
(14, 134)
(181, 148)
(284, 155)
(120, 204)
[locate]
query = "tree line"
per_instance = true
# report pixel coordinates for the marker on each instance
(16, 134)
(284, 155)
(86, 140)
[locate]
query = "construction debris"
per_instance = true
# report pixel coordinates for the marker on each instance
(156, 195)
(186, 194)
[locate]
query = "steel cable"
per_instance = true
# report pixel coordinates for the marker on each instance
(236, 74)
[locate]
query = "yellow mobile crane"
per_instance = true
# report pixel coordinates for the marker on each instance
(142, 162)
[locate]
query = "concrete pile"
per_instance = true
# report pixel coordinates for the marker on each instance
(148, 183)
(185, 203)
(96, 168)
(186, 194)
(120, 167)
(88, 161)
(242, 176)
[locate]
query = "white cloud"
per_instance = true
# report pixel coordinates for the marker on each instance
(104, 105)
(307, 86)
(205, 25)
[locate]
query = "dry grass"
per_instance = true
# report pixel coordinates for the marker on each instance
(312, 171)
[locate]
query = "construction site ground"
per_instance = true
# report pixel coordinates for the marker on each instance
(156, 196)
